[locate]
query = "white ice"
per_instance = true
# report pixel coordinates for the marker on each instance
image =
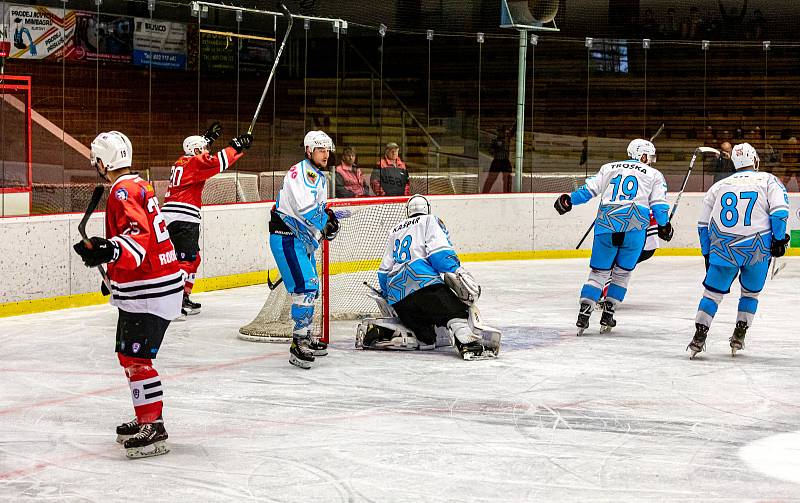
(621, 416)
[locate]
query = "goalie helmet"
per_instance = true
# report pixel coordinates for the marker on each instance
(318, 139)
(193, 142)
(114, 149)
(418, 205)
(638, 147)
(744, 155)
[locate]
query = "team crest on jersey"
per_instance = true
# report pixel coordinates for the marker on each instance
(136, 347)
(121, 194)
(311, 175)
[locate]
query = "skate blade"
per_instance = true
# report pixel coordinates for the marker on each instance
(486, 355)
(604, 329)
(694, 353)
(581, 331)
(192, 312)
(320, 352)
(122, 438)
(147, 451)
(297, 362)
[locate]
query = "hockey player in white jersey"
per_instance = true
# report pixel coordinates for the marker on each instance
(298, 222)
(630, 190)
(742, 224)
(423, 281)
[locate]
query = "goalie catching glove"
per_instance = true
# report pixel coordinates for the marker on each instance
(463, 285)
(331, 227)
(99, 251)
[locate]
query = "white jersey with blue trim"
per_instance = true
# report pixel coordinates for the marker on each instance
(418, 252)
(740, 214)
(301, 202)
(628, 191)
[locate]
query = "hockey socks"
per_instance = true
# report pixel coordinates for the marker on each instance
(145, 384)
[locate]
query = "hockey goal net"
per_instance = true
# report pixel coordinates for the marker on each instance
(344, 265)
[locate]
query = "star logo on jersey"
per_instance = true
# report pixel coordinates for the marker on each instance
(754, 251)
(121, 194)
(618, 218)
(722, 244)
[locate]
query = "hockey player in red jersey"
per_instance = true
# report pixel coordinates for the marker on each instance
(146, 286)
(185, 197)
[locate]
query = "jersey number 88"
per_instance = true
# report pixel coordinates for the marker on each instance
(402, 250)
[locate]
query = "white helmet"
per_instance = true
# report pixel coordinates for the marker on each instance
(744, 155)
(318, 139)
(638, 147)
(114, 149)
(418, 205)
(193, 142)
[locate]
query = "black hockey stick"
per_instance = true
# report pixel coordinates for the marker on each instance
(97, 194)
(698, 151)
(593, 221)
(271, 285)
(289, 20)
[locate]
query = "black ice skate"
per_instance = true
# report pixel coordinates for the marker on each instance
(127, 430)
(607, 321)
(318, 347)
(737, 339)
(300, 352)
(583, 318)
(698, 343)
(189, 307)
(474, 351)
(150, 441)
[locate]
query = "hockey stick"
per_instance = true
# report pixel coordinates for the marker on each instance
(271, 285)
(698, 151)
(97, 194)
(776, 268)
(290, 20)
(586, 234)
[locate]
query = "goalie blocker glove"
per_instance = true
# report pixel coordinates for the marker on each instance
(242, 142)
(331, 227)
(213, 132)
(778, 248)
(563, 204)
(101, 251)
(666, 231)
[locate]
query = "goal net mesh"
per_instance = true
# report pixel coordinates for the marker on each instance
(353, 259)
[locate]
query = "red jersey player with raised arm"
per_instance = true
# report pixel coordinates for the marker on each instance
(146, 286)
(184, 198)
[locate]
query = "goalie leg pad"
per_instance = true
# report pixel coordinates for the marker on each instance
(491, 336)
(389, 334)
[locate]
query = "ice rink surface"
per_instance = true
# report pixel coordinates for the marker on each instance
(621, 416)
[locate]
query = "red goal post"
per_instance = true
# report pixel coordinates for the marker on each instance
(344, 264)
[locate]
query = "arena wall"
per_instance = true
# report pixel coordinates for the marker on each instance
(40, 272)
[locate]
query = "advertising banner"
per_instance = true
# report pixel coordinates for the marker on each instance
(164, 41)
(107, 38)
(39, 32)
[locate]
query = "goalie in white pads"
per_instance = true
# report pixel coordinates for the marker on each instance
(425, 291)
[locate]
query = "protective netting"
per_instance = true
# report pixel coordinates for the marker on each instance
(353, 259)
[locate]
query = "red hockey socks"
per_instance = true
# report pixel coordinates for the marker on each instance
(145, 386)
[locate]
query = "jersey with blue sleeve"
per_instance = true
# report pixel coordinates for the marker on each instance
(628, 191)
(418, 252)
(301, 202)
(740, 215)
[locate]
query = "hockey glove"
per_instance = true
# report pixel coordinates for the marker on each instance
(332, 227)
(666, 232)
(99, 251)
(778, 248)
(213, 132)
(242, 142)
(563, 204)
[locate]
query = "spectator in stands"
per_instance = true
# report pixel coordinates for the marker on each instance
(500, 161)
(350, 181)
(790, 160)
(390, 176)
(723, 165)
(584, 154)
(757, 26)
(648, 23)
(670, 28)
(731, 24)
(692, 26)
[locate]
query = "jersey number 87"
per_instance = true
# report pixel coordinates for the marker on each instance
(729, 214)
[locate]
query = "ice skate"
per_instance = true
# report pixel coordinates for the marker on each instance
(189, 307)
(583, 317)
(475, 351)
(698, 343)
(737, 339)
(300, 353)
(127, 430)
(607, 321)
(150, 441)
(318, 347)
